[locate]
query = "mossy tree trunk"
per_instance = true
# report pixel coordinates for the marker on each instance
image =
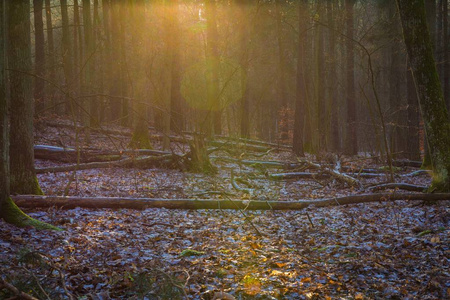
(23, 176)
(428, 86)
(8, 210)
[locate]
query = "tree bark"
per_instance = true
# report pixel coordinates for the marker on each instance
(18, 12)
(67, 56)
(39, 58)
(50, 53)
(23, 176)
(213, 63)
(428, 86)
(140, 138)
(25, 201)
(413, 116)
(282, 91)
(299, 117)
(335, 140)
(4, 117)
(176, 99)
(244, 61)
(351, 135)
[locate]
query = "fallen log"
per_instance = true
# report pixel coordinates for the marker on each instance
(407, 163)
(244, 146)
(307, 175)
(256, 163)
(255, 142)
(63, 154)
(29, 201)
(141, 162)
(400, 186)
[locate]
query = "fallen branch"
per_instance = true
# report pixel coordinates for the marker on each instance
(257, 163)
(335, 174)
(29, 201)
(248, 147)
(255, 142)
(15, 291)
(407, 163)
(400, 186)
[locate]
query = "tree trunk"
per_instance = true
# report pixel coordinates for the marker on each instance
(332, 91)
(78, 56)
(67, 56)
(4, 118)
(176, 99)
(413, 116)
(23, 176)
(244, 49)
(299, 122)
(282, 90)
(321, 80)
(428, 86)
(107, 76)
(213, 63)
(351, 136)
(140, 138)
(18, 13)
(39, 59)
(50, 54)
(446, 56)
(91, 118)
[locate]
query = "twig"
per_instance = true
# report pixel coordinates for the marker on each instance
(14, 290)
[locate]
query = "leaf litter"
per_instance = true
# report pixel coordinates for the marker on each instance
(388, 250)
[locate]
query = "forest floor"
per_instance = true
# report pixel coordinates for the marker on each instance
(380, 250)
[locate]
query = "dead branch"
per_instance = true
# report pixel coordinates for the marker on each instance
(335, 174)
(15, 291)
(256, 163)
(400, 186)
(30, 201)
(407, 163)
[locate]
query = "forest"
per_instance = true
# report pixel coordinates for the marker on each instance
(224, 149)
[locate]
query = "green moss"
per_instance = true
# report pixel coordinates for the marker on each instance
(12, 214)
(26, 185)
(140, 140)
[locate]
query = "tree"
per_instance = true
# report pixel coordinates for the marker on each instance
(334, 130)
(50, 51)
(351, 139)
(4, 130)
(244, 62)
(8, 210)
(67, 54)
(282, 90)
(140, 138)
(428, 87)
(39, 59)
(23, 176)
(212, 58)
(299, 118)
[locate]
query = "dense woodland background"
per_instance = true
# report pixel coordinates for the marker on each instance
(237, 67)
(224, 149)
